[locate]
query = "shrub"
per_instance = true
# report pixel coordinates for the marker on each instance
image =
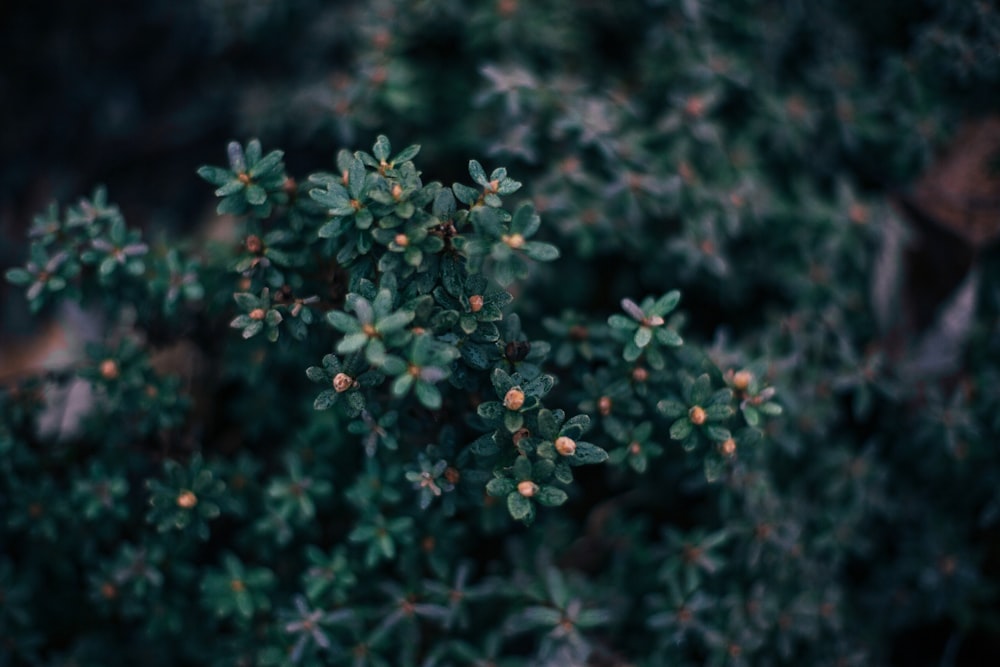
(684, 396)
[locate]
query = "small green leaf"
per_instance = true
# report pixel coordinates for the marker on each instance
(477, 173)
(382, 148)
(499, 486)
(428, 395)
(550, 496)
(588, 454)
(680, 429)
(520, 508)
(540, 252)
(18, 276)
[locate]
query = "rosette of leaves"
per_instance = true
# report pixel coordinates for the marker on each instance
(703, 411)
(755, 397)
(428, 361)
(579, 338)
(177, 280)
(503, 240)
(375, 326)
(637, 444)
(235, 590)
(43, 274)
(344, 381)
(118, 250)
(187, 499)
(381, 536)
(329, 576)
(269, 257)
(645, 331)
(524, 484)
(259, 314)
(560, 442)
(498, 183)
(473, 305)
(430, 479)
(253, 184)
(355, 198)
(294, 495)
(517, 395)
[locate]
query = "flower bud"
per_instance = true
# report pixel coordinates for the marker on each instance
(342, 382)
(527, 488)
(565, 446)
(697, 415)
(514, 399)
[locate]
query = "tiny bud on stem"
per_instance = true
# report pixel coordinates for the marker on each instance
(527, 488)
(514, 399)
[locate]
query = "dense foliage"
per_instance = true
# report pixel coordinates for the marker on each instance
(706, 375)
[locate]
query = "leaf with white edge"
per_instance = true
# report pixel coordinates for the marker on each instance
(668, 337)
(428, 395)
(477, 173)
(548, 427)
(499, 486)
(680, 429)
(550, 496)
(588, 453)
(665, 303)
(520, 508)
(485, 445)
(540, 252)
(325, 400)
(382, 148)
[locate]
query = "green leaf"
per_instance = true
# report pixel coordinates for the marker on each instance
(343, 322)
(680, 429)
(267, 164)
(668, 337)
(428, 395)
(671, 409)
(642, 336)
(576, 426)
(19, 277)
(520, 508)
(550, 496)
(476, 356)
(485, 445)
(382, 148)
(587, 454)
(394, 321)
(491, 410)
(477, 173)
(665, 303)
(548, 426)
(499, 486)
(406, 154)
(215, 175)
(540, 252)
(717, 433)
(718, 413)
(253, 329)
(701, 389)
(465, 194)
(352, 342)
(256, 195)
(512, 420)
(402, 385)
(522, 468)
(325, 399)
